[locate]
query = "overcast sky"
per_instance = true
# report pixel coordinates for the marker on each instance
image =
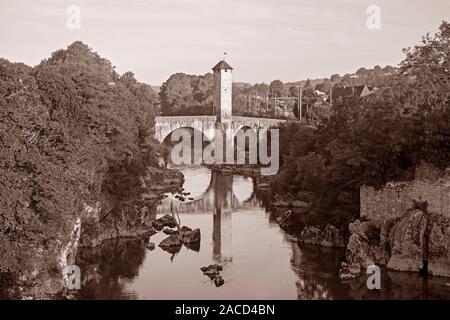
(265, 40)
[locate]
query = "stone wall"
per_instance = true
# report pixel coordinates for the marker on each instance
(395, 199)
(395, 233)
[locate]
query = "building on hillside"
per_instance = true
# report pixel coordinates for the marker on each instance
(322, 90)
(351, 91)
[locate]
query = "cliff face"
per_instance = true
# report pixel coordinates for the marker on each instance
(403, 226)
(132, 216)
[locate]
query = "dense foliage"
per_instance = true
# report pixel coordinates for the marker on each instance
(72, 130)
(377, 138)
(184, 94)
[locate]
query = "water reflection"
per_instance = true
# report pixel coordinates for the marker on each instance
(223, 199)
(223, 194)
(108, 268)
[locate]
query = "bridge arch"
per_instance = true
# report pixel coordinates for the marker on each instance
(167, 137)
(165, 125)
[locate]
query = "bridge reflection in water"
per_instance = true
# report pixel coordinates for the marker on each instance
(224, 195)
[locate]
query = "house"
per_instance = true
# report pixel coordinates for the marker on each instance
(351, 91)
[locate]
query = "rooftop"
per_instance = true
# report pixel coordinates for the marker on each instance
(222, 65)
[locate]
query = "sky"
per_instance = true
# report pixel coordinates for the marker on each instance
(264, 39)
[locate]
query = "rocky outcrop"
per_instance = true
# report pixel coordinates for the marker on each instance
(109, 223)
(404, 226)
(69, 252)
(412, 249)
(400, 244)
(134, 216)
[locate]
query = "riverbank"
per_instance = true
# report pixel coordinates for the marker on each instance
(78, 165)
(403, 227)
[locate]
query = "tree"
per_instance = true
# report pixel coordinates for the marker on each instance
(184, 94)
(335, 78)
(73, 132)
(374, 139)
(276, 88)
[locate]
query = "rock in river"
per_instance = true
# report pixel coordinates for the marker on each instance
(218, 280)
(189, 236)
(164, 221)
(169, 231)
(213, 272)
(171, 244)
(330, 236)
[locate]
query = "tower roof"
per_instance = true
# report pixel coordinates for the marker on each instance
(222, 65)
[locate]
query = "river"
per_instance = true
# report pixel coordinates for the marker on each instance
(259, 260)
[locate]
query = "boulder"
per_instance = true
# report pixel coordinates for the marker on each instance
(407, 248)
(164, 221)
(191, 237)
(185, 231)
(358, 251)
(439, 247)
(171, 244)
(218, 280)
(349, 271)
(169, 231)
(356, 228)
(168, 221)
(330, 236)
(150, 246)
(158, 225)
(212, 270)
(310, 235)
(405, 242)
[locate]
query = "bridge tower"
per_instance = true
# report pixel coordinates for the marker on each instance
(222, 84)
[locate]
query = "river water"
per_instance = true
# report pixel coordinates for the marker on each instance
(259, 260)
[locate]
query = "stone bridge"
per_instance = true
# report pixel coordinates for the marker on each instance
(165, 125)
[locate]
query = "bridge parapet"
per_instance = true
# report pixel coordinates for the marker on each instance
(164, 125)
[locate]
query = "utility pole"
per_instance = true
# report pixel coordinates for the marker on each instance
(307, 111)
(300, 98)
(331, 94)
